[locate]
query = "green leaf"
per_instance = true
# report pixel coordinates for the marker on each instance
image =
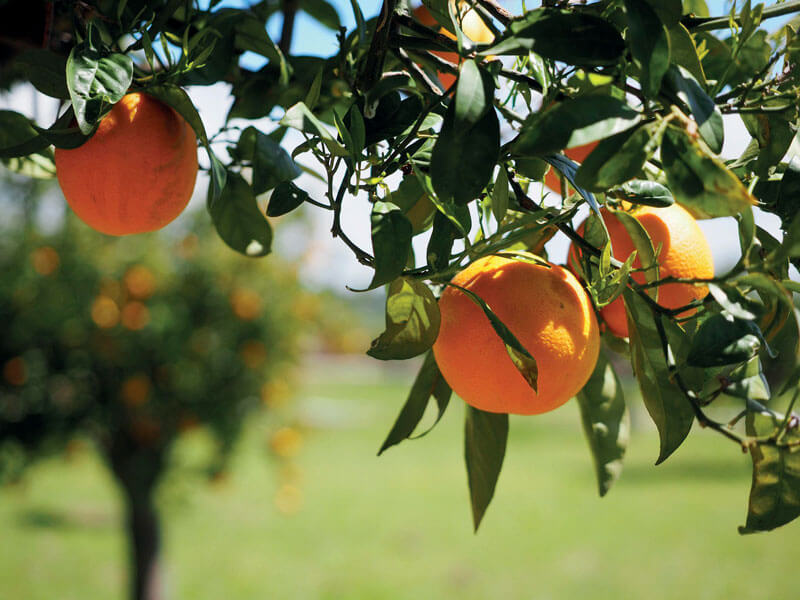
(642, 191)
(271, 163)
(669, 408)
(699, 181)
(649, 44)
(391, 242)
(463, 158)
(704, 110)
(251, 35)
(301, 118)
(774, 133)
(412, 321)
(748, 382)
(429, 382)
(573, 37)
(285, 198)
(606, 422)
(619, 158)
(522, 359)
(440, 244)
(96, 83)
(668, 11)
(643, 245)
(485, 438)
(18, 137)
(500, 195)
(574, 122)
(775, 490)
(238, 220)
(684, 52)
(46, 70)
(724, 341)
(474, 94)
(323, 12)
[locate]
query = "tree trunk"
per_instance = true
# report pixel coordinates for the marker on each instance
(137, 471)
(145, 543)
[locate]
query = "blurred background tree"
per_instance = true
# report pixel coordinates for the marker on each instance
(132, 342)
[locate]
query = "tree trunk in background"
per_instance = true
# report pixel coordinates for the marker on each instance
(137, 471)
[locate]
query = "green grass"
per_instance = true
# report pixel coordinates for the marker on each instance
(399, 526)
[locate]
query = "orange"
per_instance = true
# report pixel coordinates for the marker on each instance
(136, 173)
(684, 253)
(578, 154)
(472, 26)
(548, 311)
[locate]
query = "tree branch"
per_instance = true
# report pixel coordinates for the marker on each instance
(287, 32)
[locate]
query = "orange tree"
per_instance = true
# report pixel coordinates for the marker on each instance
(645, 84)
(130, 343)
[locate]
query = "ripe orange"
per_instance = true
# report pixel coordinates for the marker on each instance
(684, 253)
(578, 154)
(548, 311)
(136, 173)
(472, 26)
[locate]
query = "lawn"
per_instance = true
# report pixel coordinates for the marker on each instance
(352, 525)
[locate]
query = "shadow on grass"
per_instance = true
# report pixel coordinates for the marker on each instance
(46, 518)
(697, 471)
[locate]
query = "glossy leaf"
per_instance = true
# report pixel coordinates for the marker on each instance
(271, 163)
(485, 438)
(642, 191)
(285, 198)
(429, 382)
(619, 158)
(669, 408)
(775, 490)
(683, 52)
(391, 242)
(474, 94)
(573, 37)
(699, 181)
(463, 158)
(238, 220)
(301, 118)
(412, 321)
(96, 83)
(500, 195)
(606, 422)
(649, 44)
(704, 110)
(46, 70)
(440, 244)
(574, 122)
(723, 341)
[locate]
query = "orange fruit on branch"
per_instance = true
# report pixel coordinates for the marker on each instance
(136, 173)
(685, 253)
(547, 310)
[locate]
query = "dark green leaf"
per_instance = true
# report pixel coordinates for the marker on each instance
(285, 198)
(723, 341)
(500, 195)
(619, 158)
(704, 110)
(238, 220)
(412, 321)
(323, 12)
(46, 71)
(642, 191)
(669, 408)
(649, 44)
(668, 11)
(775, 491)
(684, 52)
(463, 158)
(701, 182)
(391, 242)
(301, 118)
(18, 136)
(251, 35)
(96, 83)
(485, 437)
(474, 94)
(441, 243)
(573, 37)
(774, 133)
(271, 163)
(606, 422)
(429, 382)
(574, 122)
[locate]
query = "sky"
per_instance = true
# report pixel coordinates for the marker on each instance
(327, 262)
